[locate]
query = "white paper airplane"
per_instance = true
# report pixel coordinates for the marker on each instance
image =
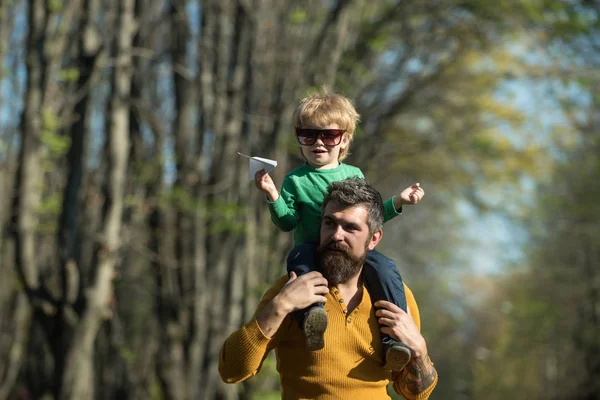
(258, 163)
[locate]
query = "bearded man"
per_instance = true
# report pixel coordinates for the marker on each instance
(350, 366)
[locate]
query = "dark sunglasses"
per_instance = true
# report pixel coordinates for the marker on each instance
(329, 137)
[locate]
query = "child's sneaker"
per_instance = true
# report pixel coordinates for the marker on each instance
(397, 355)
(315, 324)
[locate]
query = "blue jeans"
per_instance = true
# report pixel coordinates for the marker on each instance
(381, 277)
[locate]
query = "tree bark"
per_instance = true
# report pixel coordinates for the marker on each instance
(28, 175)
(78, 378)
(19, 335)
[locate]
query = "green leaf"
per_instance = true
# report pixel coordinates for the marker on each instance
(55, 5)
(52, 205)
(50, 120)
(69, 74)
(298, 16)
(58, 144)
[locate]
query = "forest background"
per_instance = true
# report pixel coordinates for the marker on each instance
(132, 242)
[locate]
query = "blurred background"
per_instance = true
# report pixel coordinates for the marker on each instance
(132, 241)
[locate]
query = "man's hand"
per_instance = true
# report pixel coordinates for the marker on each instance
(419, 375)
(400, 326)
(411, 195)
(297, 294)
(265, 184)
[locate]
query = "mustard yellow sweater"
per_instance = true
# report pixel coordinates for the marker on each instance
(349, 367)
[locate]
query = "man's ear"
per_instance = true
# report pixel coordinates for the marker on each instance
(375, 238)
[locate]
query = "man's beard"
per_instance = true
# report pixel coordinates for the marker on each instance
(338, 264)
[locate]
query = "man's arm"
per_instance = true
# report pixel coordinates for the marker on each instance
(244, 351)
(298, 293)
(418, 379)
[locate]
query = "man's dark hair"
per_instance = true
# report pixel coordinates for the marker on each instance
(353, 192)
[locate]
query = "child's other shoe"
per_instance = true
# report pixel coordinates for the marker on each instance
(315, 324)
(397, 355)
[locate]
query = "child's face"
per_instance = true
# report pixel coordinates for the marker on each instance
(320, 156)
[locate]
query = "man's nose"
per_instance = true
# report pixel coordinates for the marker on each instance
(338, 234)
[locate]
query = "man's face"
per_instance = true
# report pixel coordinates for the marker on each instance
(345, 239)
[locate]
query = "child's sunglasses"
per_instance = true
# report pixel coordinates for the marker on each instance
(329, 137)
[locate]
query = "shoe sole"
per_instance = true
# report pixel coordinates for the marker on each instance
(315, 325)
(397, 358)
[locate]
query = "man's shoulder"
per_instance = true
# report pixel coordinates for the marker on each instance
(411, 304)
(271, 292)
(408, 293)
(281, 281)
(277, 286)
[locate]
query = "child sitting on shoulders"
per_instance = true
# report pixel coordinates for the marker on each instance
(324, 125)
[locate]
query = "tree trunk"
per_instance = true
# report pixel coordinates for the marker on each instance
(17, 344)
(78, 378)
(29, 172)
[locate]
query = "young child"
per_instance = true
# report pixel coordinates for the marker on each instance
(325, 123)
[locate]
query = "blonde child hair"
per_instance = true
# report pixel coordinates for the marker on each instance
(326, 107)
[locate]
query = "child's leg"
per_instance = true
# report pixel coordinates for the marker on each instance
(302, 259)
(313, 319)
(383, 282)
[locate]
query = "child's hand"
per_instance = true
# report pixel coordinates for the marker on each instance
(265, 184)
(412, 194)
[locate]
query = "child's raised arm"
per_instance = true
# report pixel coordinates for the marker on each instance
(283, 209)
(265, 184)
(409, 196)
